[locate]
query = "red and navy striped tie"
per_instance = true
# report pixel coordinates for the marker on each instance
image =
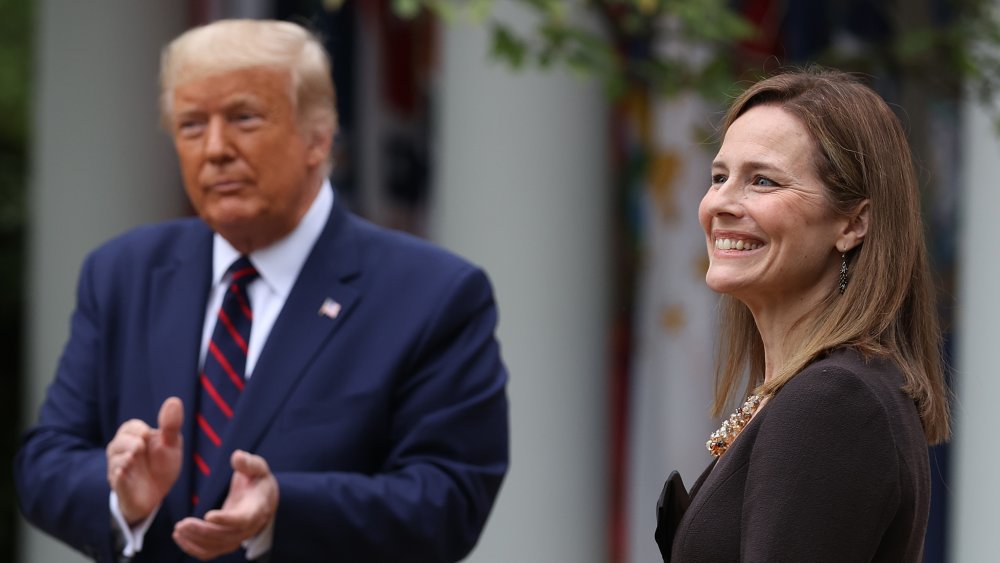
(222, 378)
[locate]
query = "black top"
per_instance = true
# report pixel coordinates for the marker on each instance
(833, 468)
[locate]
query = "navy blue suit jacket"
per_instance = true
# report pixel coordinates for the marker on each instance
(386, 427)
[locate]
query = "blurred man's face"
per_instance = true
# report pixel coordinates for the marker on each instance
(249, 170)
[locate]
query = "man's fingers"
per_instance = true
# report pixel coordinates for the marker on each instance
(170, 419)
(205, 540)
(133, 427)
(202, 530)
(249, 464)
(126, 444)
(121, 454)
(236, 522)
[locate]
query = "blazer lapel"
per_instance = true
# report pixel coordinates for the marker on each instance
(179, 291)
(299, 332)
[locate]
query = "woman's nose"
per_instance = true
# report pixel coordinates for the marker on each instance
(723, 199)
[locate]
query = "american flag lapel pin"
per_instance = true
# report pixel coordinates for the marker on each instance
(329, 309)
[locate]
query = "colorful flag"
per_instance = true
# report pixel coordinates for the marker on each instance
(671, 376)
(329, 308)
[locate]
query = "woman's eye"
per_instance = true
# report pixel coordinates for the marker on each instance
(762, 181)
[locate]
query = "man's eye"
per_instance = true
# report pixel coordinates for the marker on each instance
(246, 118)
(190, 127)
(718, 179)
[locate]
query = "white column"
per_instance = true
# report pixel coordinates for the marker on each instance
(523, 189)
(100, 165)
(975, 485)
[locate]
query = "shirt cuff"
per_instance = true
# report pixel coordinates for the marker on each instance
(261, 543)
(133, 535)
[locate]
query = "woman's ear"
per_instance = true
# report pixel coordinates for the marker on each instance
(856, 227)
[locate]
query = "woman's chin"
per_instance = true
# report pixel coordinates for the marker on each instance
(724, 284)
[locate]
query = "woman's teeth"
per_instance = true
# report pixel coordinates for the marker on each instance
(733, 244)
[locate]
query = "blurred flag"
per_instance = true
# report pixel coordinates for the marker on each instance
(670, 380)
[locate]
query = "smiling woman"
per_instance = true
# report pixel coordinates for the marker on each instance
(767, 197)
(830, 324)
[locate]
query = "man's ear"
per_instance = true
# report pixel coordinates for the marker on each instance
(320, 141)
(856, 227)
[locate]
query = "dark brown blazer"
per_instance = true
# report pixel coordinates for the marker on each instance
(833, 468)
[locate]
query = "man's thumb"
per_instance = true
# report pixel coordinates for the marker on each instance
(170, 419)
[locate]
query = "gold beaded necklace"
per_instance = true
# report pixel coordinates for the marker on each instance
(721, 439)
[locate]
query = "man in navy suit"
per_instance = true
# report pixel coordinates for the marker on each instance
(372, 421)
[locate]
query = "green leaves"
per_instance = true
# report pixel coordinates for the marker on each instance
(508, 47)
(448, 11)
(614, 41)
(407, 9)
(672, 46)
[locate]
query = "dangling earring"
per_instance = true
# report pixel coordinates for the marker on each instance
(843, 272)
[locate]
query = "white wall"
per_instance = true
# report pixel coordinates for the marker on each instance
(99, 166)
(523, 190)
(975, 482)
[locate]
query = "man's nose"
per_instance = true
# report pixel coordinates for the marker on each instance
(217, 139)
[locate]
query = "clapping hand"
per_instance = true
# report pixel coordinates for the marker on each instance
(249, 508)
(144, 462)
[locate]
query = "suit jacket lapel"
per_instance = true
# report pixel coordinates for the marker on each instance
(297, 335)
(178, 294)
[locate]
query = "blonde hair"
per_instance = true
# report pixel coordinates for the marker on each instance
(228, 45)
(888, 308)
